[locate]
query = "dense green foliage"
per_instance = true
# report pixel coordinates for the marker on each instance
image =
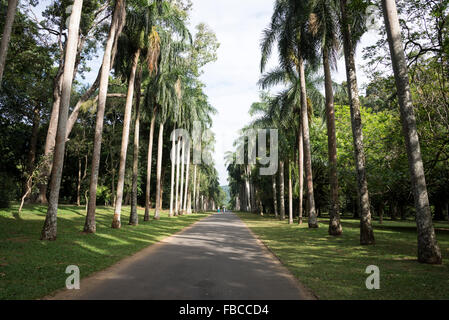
(26, 98)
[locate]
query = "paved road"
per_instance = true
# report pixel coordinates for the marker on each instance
(216, 258)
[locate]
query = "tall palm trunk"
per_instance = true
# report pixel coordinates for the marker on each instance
(173, 168)
(178, 150)
(290, 194)
(49, 229)
(149, 165)
(189, 203)
(275, 200)
(160, 145)
(10, 14)
(194, 189)
(187, 180)
(198, 191)
(181, 186)
(115, 29)
(248, 191)
(133, 217)
(125, 139)
(313, 221)
(428, 249)
(300, 171)
(335, 228)
(80, 180)
(366, 229)
(281, 190)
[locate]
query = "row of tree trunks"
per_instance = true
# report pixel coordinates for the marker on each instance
(51, 133)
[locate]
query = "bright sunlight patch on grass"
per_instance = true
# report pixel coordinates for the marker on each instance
(334, 267)
(30, 268)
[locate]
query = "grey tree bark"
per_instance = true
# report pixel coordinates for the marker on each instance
(187, 179)
(281, 191)
(366, 229)
(194, 188)
(125, 139)
(178, 150)
(49, 230)
(51, 135)
(428, 249)
(172, 180)
(300, 172)
(275, 200)
(134, 217)
(149, 165)
(248, 191)
(313, 221)
(181, 186)
(118, 20)
(10, 15)
(160, 145)
(290, 194)
(335, 228)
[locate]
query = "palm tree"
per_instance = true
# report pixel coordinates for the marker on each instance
(49, 228)
(290, 194)
(366, 229)
(117, 23)
(428, 249)
(10, 14)
(289, 28)
(324, 25)
(139, 34)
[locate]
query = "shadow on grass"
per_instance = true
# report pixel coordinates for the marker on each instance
(30, 268)
(334, 267)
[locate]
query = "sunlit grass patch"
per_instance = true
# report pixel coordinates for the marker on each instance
(334, 267)
(30, 268)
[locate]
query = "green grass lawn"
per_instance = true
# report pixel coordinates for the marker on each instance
(334, 267)
(30, 268)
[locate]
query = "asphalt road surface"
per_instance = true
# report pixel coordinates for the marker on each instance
(215, 258)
